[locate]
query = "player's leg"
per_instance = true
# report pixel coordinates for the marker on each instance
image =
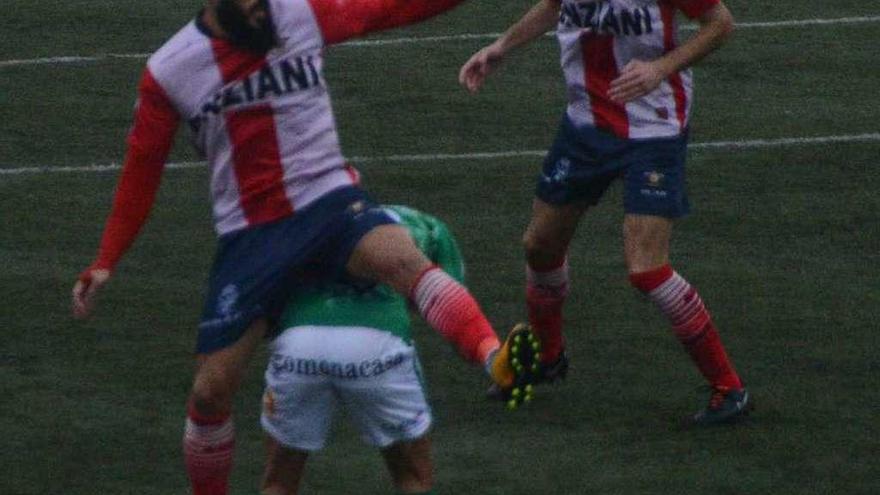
(373, 246)
(411, 465)
(646, 247)
(299, 403)
(219, 373)
(654, 196)
(209, 436)
(246, 286)
(284, 469)
(388, 255)
(390, 407)
(546, 243)
(574, 176)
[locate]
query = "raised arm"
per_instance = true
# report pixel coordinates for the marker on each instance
(149, 142)
(537, 21)
(716, 25)
(640, 77)
(340, 20)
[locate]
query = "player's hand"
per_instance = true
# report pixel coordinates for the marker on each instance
(88, 284)
(637, 79)
(474, 72)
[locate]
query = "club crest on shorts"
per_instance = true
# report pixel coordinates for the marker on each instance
(561, 169)
(654, 179)
(227, 301)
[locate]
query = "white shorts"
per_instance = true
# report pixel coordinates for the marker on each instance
(373, 374)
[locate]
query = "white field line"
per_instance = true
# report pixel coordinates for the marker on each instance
(708, 145)
(74, 59)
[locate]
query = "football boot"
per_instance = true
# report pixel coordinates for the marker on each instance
(556, 370)
(726, 405)
(516, 367)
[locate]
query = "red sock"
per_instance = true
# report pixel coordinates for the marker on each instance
(706, 350)
(546, 291)
(208, 444)
(691, 322)
(450, 309)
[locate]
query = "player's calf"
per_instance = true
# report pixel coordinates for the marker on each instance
(209, 435)
(691, 322)
(208, 447)
(451, 310)
(411, 465)
(546, 291)
(284, 469)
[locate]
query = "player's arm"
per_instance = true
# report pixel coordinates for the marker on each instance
(537, 21)
(340, 20)
(149, 142)
(639, 77)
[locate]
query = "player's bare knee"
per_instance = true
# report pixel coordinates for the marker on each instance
(408, 265)
(402, 271)
(401, 268)
(542, 249)
(646, 242)
(642, 255)
(211, 394)
(532, 244)
(209, 404)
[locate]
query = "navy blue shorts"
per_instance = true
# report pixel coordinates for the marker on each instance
(255, 269)
(583, 162)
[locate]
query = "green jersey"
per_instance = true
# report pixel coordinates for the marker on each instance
(344, 305)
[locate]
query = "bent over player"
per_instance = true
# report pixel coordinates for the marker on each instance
(350, 347)
(246, 77)
(629, 99)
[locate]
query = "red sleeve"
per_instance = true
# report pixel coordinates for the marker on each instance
(149, 142)
(695, 8)
(340, 20)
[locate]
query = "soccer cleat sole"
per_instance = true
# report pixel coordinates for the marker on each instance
(524, 360)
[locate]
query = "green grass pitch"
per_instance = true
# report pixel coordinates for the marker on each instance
(783, 245)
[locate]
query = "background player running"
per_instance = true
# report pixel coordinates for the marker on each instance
(350, 347)
(246, 77)
(629, 98)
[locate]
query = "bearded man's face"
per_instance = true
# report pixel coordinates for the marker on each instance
(247, 23)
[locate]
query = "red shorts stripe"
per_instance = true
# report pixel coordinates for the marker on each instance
(600, 69)
(667, 12)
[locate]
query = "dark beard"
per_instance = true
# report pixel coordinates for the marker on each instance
(235, 23)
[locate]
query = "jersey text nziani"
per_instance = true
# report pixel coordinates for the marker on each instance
(602, 18)
(277, 79)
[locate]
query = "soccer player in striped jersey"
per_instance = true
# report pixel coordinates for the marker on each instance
(246, 77)
(351, 347)
(629, 95)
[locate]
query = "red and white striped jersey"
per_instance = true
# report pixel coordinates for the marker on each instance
(264, 123)
(598, 38)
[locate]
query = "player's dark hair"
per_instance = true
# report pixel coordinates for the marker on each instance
(235, 23)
